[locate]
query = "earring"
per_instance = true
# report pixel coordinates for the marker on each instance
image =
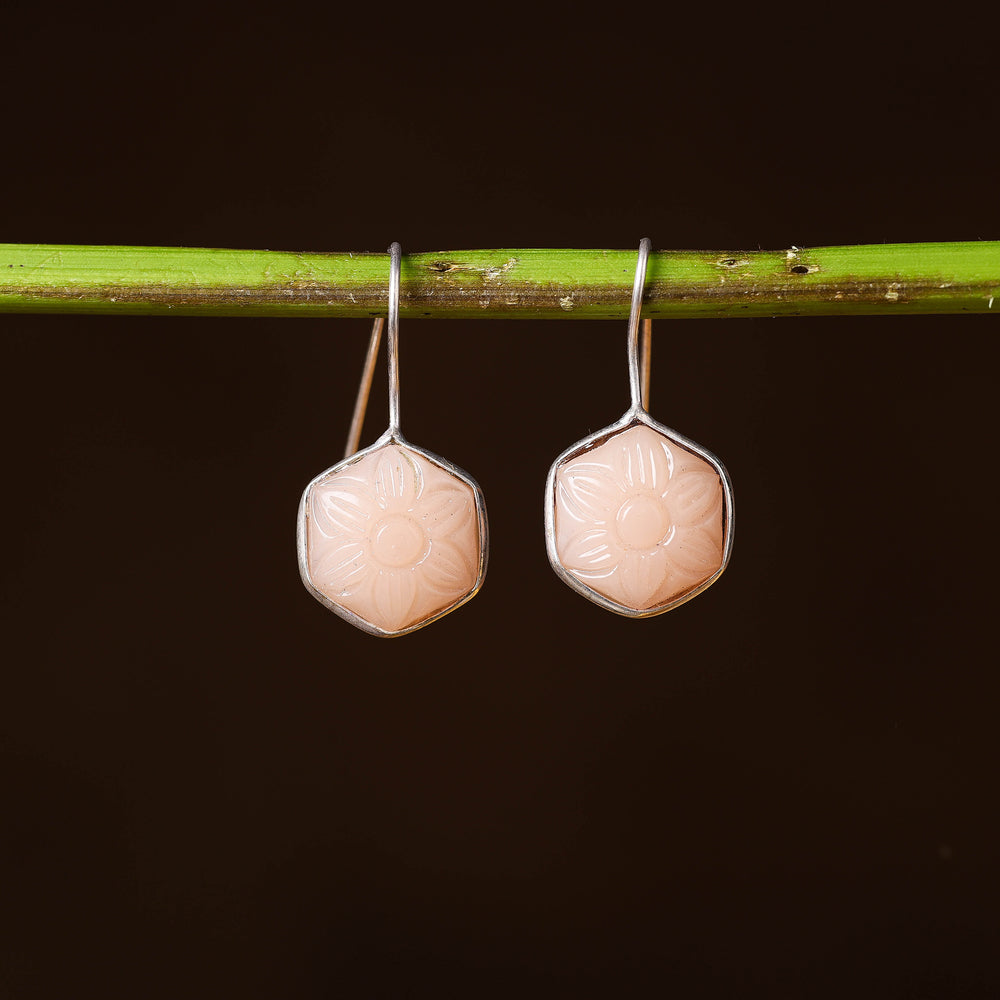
(392, 537)
(638, 518)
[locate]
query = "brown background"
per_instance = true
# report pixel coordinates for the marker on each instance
(216, 788)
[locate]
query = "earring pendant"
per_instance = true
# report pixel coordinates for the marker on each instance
(638, 518)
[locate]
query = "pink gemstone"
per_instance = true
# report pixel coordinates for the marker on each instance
(640, 519)
(393, 538)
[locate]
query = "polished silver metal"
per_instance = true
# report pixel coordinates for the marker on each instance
(392, 435)
(638, 286)
(646, 359)
(392, 345)
(637, 413)
(364, 389)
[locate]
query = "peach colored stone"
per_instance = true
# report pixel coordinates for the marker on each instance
(393, 538)
(640, 519)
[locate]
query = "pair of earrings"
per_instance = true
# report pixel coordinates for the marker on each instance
(638, 519)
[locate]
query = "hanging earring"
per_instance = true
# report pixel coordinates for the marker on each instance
(638, 518)
(393, 537)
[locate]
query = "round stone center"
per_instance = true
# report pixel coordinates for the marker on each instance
(642, 521)
(398, 541)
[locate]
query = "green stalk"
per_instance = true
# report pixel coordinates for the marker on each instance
(502, 284)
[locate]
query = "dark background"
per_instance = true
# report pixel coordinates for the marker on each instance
(216, 788)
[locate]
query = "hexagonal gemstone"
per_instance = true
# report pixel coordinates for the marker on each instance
(393, 538)
(640, 519)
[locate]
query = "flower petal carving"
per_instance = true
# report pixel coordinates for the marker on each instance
(444, 510)
(341, 566)
(645, 462)
(591, 553)
(394, 592)
(586, 492)
(446, 570)
(393, 538)
(696, 551)
(341, 508)
(694, 497)
(639, 518)
(642, 575)
(398, 478)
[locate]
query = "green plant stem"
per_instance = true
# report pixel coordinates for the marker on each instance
(502, 284)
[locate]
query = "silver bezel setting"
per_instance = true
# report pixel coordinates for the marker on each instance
(632, 417)
(302, 533)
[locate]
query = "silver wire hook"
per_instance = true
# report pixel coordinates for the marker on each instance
(395, 269)
(643, 351)
(364, 388)
(638, 287)
(646, 359)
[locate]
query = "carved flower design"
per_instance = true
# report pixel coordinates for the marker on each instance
(393, 538)
(639, 519)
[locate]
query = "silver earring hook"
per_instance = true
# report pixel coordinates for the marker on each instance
(364, 388)
(645, 359)
(643, 351)
(638, 287)
(395, 269)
